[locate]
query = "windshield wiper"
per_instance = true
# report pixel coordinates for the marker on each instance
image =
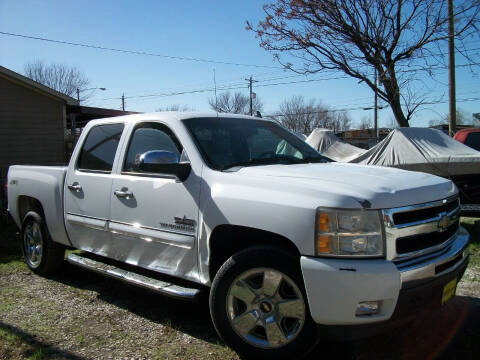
(262, 161)
(316, 159)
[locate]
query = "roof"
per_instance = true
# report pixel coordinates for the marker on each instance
(171, 116)
(461, 135)
(423, 149)
(25, 81)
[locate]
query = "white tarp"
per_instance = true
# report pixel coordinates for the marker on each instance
(326, 143)
(422, 149)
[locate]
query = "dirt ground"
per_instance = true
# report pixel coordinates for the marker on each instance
(81, 315)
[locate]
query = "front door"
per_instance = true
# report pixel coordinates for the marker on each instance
(154, 216)
(88, 188)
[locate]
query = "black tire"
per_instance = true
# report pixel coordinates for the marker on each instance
(244, 262)
(51, 255)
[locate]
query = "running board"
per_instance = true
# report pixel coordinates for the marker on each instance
(130, 277)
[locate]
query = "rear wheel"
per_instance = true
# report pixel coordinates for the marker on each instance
(258, 305)
(41, 254)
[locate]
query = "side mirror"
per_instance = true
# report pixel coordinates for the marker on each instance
(164, 162)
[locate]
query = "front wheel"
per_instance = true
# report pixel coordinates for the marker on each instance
(258, 305)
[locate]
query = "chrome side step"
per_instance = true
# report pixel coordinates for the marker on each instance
(158, 286)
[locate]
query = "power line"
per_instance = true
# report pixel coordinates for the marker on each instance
(98, 47)
(183, 58)
(235, 87)
(360, 108)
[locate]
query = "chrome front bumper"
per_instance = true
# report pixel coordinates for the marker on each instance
(335, 286)
(430, 266)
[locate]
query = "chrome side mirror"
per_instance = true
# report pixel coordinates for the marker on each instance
(164, 162)
(158, 157)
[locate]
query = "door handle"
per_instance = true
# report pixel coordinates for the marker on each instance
(75, 187)
(124, 193)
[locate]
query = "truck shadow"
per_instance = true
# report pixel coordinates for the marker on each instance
(451, 332)
(29, 347)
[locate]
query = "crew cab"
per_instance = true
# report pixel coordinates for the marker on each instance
(284, 240)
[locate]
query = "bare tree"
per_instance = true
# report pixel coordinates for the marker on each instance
(462, 117)
(175, 107)
(341, 121)
(298, 115)
(60, 77)
(357, 36)
(236, 103)
(303, 116)
(366, 123)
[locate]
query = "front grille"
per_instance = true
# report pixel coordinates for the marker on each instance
(413, 231)
(419, 242)
(422, 214)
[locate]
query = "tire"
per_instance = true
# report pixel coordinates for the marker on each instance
(41, 254)
(259, 306)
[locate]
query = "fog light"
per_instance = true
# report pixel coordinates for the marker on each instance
(366, 308)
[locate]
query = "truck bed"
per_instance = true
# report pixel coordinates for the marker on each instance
(44, 183)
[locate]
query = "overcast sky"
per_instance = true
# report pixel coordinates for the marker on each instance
(213, 30)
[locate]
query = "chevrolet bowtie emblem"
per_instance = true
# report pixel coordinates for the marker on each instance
(443, 223)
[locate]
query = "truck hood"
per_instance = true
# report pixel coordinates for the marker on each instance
(350, 185)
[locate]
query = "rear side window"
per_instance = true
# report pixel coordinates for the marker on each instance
(98, 150)
(473, 140)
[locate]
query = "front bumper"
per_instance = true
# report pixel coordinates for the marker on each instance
(336, 286)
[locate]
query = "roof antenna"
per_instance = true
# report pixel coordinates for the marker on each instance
(215, 84)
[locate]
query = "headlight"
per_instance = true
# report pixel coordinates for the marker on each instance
(349, 233)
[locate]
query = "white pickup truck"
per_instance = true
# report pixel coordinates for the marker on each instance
(285, 241)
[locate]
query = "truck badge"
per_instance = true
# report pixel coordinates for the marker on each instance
(443, 223)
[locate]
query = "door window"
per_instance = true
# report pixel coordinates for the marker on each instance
(98, 150)
(148, 137)
(473, 140)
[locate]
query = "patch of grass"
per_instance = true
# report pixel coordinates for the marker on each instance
(37, 354)
(15, 345)
(474, 247)
(7, 335)
(11, 264)
(8, 298)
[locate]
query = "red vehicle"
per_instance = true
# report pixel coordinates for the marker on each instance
(469, 185)
(469, 137)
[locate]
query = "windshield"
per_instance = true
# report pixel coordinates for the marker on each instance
(226, 143)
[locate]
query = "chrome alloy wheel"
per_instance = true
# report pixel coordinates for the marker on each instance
(265, 308)
(33, 244)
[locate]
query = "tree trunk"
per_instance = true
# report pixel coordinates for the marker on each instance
(398, 113)
(393, 94)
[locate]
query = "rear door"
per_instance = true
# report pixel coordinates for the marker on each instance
(88, 187)
(155, 225)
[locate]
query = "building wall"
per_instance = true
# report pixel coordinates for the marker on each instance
(31, 127)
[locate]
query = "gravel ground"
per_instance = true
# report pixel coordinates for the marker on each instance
(81, 315)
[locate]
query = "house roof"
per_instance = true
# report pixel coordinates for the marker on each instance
(25, 81)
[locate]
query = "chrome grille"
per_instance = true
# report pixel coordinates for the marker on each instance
(417, 230)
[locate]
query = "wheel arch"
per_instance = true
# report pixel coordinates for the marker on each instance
(227, 240)
(28, 203)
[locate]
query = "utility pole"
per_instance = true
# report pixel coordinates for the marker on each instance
(78, 96)
(123, 102)
(375, 107)
(452, 123)
(252, 94)
(215, 85)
